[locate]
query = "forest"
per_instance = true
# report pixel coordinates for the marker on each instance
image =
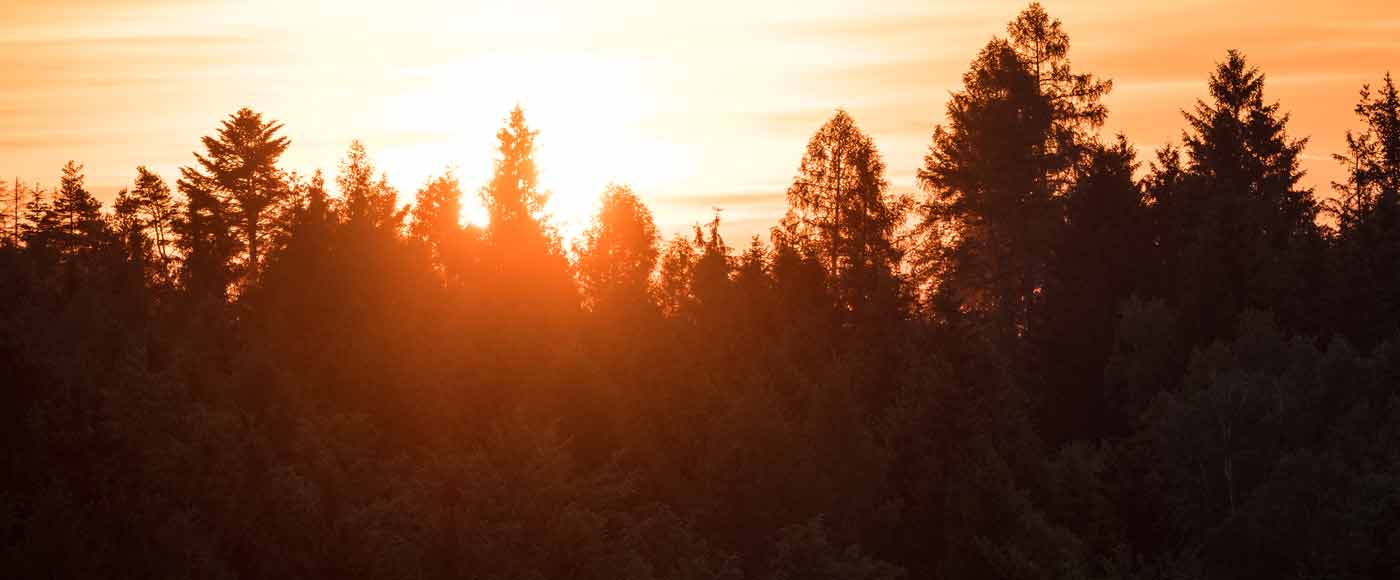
(1056, 360)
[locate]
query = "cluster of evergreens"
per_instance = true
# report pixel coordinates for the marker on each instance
(1052, 362)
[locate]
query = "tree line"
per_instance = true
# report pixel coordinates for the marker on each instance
(1056, 360)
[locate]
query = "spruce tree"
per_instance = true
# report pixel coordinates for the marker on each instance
(239, 168)
(997, 171)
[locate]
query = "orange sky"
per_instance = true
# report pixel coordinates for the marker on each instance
(695, 104)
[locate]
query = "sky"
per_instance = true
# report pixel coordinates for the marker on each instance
(696, 105)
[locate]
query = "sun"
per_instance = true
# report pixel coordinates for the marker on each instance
(590, 113)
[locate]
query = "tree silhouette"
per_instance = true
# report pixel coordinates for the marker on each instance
(204, 236)
(156, 210)
(513, 198)
(437, 222)
(710, 275)
(997, 171)
(437, 210)
(368, 203)
(1367, 210)
(1239, 229)
(527, 260)
(77, 212)
(617, 254)
(16, 201)
(1074, 98)
(130, 228)
(239, 168)
(674, 274)
(988, 220)
(41, 224)
(839, 205)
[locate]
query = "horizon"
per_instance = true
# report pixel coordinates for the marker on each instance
(690, 107)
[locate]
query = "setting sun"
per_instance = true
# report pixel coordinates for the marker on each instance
(588, 109)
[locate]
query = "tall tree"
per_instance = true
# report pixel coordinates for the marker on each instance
(157, 211)
(40, 224)
(840, 205)
(239, 167)
(618, 252)
(16, 199)
(1372, 159)
(78, 213)
(513, 197)
(11, 215)
(526, 252)
(1239, 229)
(1365, 283)
(996, 174)
(130, 228)
(1074, 98)
(710, 277)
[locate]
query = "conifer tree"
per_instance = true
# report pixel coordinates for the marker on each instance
(456, 249)
(368, 200)
(997, 171)
(1365, 283)
(157, 211)
(239, 168)
(526, 256)
(78, 213)
(618, 252)
(840, 206)
(203, 235)
(1239, 229)
(513, 197)
(16, 198)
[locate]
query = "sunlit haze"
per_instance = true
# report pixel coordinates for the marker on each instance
(716, 290)
(695, 105)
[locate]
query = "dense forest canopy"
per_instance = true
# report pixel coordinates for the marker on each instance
(1056, 360)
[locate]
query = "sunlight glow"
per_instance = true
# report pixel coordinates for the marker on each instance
(587, 110)
(694, 105)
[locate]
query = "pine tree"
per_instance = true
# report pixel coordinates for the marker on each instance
(129, 225)
(157, 210)
(78, 213)
(42, 229)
